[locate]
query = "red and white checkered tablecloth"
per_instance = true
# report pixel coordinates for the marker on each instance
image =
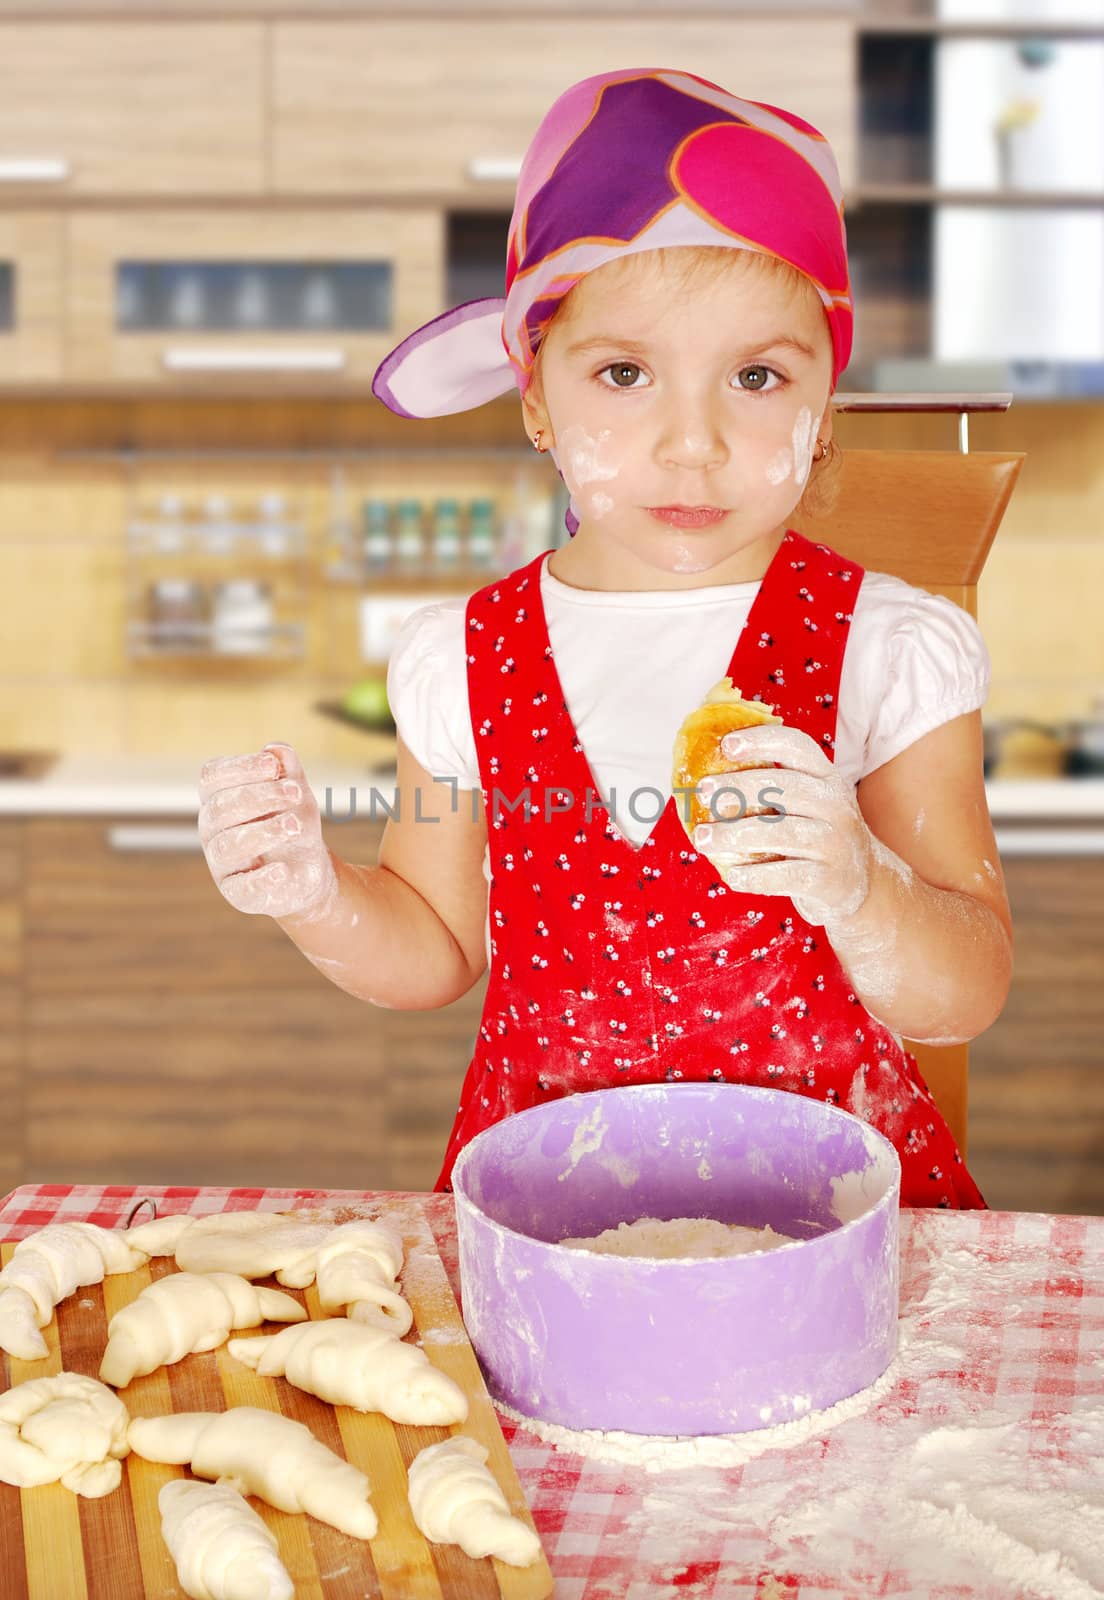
(973, 1471)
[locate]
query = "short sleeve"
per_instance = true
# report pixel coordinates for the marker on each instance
(935, 667)
(427, 689)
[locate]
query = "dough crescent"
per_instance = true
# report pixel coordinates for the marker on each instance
(183, 1314)
(46, 1268)
(221, 1547)
(353, 1364)
(456, 1500)
(262, 1453)
(65, 1428)
(357, 1268)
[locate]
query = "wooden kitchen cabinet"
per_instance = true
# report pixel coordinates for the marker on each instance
(209, 266)
(172, 1039)
(1037, 1075)
(132, 107)
(391, 106)
(31, 296)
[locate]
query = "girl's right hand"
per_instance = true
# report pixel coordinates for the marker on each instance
(261, 832)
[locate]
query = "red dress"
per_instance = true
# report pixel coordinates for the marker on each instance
(615, 963)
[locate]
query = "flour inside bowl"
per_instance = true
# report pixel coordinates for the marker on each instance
(680, 1239)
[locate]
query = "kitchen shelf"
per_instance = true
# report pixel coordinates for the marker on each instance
(460, 581)
(888, 17)
(282, 641)
(920, 194)
(149, 538)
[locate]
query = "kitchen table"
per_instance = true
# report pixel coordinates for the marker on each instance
(973, 1469)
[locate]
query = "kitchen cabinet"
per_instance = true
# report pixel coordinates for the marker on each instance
(131, 108)
(389, 106)
(1036, 1085)
(169, 1038)
(31, 296)
(198, 297)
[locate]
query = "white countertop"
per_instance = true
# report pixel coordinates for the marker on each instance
(163, 786)
(156, 786)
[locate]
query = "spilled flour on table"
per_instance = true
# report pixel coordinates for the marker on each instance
(966, 1468)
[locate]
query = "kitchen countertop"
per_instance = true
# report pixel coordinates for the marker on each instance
(971, 1467)
(148, 786)
(163, 786)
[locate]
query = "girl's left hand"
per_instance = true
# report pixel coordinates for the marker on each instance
(828, 848)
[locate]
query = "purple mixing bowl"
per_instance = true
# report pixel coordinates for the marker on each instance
(679, 1346)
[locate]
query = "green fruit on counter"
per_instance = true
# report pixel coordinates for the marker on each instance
(367, 701)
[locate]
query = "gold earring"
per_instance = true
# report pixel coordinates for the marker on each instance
(824, 448)
(537, 446)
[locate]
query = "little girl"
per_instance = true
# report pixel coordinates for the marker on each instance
(676, 319)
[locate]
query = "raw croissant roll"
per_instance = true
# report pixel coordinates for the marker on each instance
(256, 1244)
(456, 1500)
(221, 1547)
(48, 1266)
(698, 752)
(182, 1314)
(353, 1364)
(266, 1454)
(68, 1428)
(356, 1262)
(357, 1268)
(161, 1236)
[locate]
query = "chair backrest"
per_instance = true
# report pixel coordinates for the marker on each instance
(930, 517)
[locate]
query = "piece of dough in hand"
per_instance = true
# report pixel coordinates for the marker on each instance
(185, 1313)
(456, 1500)
(353, 1364)
(65, 1428)
(46, 1268)
(221, 1547)
(262, 1453)
(698, 754)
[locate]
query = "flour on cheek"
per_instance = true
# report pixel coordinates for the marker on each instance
(588, 459)
(804, 438)
(795, 458)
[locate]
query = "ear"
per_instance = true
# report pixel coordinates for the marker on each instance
(534, 410)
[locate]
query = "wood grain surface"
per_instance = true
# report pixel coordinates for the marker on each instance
(55, 1545)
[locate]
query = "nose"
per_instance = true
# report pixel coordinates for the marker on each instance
(691, 436)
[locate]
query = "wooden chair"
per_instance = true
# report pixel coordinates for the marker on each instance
(930, 517)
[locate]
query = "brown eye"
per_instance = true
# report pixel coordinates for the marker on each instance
(620, 367)
(760, 376)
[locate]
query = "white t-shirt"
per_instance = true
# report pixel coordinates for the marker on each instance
(632, 664)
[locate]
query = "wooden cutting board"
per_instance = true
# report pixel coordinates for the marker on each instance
(55, 1545)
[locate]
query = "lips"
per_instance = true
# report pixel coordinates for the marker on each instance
(688, 516)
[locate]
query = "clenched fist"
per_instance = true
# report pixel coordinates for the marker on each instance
(261, 833)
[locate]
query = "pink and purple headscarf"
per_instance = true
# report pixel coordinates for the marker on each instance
(641, 159)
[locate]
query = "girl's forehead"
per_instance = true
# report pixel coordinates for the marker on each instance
(642, 302)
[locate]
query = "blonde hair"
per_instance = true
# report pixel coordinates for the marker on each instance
(697, 264)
